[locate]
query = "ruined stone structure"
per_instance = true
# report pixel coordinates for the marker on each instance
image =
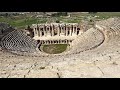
(55, 41)
(94, 54)
(56, 32)
(55, 29)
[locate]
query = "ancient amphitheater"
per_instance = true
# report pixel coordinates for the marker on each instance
(93, 53)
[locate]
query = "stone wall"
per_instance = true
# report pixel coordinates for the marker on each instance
(56, 29)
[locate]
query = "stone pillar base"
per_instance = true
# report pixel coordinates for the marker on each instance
(62, 34)
(48, 35)
(74, 34)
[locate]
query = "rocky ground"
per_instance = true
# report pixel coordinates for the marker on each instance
(83, 65)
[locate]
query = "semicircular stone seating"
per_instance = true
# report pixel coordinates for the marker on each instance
(107, 35)
(90, 39)
(112, 33)
(112, 29)
(94, 37)
(18, 41)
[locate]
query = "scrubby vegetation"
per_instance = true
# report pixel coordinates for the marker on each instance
(21, 20)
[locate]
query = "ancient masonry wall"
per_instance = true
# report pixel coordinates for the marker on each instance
(56, 32)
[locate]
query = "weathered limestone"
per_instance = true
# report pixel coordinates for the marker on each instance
(43, 30)
(90, 57)
(47, 42)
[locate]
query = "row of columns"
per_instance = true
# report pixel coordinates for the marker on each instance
(52, 30)
(55, 41)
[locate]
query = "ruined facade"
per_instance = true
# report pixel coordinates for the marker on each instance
(56, 31)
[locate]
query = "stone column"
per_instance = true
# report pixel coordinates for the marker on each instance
(46, 30)
(34, 32)
(61, 29)
(49, 31)
(58, 31)
(73, 29)
(43, 31)
(70, 31)
(52, 31)
(38, 32)
(44, 42)
(76, 31)
(66, 41)
(66, 31)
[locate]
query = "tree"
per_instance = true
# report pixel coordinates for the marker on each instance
(6, 14)
(44, 13)
(57, 21)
